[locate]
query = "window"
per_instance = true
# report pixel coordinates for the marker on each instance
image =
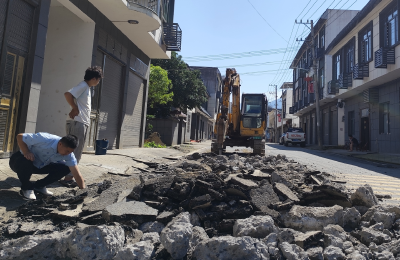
(389, 25)
(321, 77)
(384, 122)
(322, 38)
(351, 123)
(365, 44)
(349, 60)
(336, 66)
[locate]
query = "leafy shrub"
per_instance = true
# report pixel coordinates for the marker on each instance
(152, 144)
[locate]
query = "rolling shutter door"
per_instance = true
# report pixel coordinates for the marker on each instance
(3, 11)
(19, 29)
(334, 126)
(21, 20)
(131, 126)
(110, 102)
(326, 127)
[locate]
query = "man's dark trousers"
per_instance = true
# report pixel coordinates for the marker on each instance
(25, 168)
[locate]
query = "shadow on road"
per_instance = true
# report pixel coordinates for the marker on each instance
(386, 169)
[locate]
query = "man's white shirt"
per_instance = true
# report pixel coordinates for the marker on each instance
(82, 95)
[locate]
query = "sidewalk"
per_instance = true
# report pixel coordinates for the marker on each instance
(370, 156)
(95, 169)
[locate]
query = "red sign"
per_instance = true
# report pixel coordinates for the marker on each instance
(310, 87)
(279, 117)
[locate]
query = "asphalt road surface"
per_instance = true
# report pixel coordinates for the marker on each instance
(385, 180)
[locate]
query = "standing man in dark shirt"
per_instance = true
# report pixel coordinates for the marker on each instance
(353, 143)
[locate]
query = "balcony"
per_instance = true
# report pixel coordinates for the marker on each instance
(384, 56)
(306, 101)
(361, 71)
(311, 98)
(300, 104)
(345, 81)
(321, 93)
(333, 87)
(172, 36)
(142, 21)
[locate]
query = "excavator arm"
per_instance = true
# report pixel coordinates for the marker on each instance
(228, 123)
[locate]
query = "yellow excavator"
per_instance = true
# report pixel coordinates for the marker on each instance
(240, 123)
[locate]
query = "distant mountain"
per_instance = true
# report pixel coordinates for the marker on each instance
(279, 104)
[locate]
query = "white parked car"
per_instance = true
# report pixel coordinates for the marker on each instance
(294, 136)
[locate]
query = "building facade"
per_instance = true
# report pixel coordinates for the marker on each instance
(288, 119)
(365, 77)
(206, 116)
(46, 45)
(326, 30)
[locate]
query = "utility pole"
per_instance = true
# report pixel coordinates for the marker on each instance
(276, 113)
(316, 87)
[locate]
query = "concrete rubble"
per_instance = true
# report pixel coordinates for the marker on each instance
(204, 207)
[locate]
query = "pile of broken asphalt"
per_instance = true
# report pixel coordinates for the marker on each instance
(206, 206)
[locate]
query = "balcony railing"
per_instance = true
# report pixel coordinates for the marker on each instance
(345, 81)
(311, 98)
(305, 102)
(153, 5)
(384, 56)
(333, 87)
(172, 36)
(361, 70)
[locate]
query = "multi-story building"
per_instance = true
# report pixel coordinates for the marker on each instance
(203, 119)
(364, 77)
(287, 118)
(46, 46)
(326, 30)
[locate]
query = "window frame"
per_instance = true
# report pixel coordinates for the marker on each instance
(336, 62)
(348, 50)
(321, 38)
(361, 34)
(383, 17)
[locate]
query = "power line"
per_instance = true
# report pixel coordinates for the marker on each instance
(284, 55)
(234, 55)
(303, 9)
(341, 13)
(285, 75)
(290, 55)
(253, 64)
(266, 21)
(309, 9)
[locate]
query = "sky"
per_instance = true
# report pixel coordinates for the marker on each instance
(257, 37)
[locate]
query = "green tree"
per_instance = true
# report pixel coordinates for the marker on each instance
(159, 87)
(187, 86)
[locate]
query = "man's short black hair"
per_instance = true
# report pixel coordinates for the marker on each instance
(93, 72)
(350, 136)
(70, 141)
